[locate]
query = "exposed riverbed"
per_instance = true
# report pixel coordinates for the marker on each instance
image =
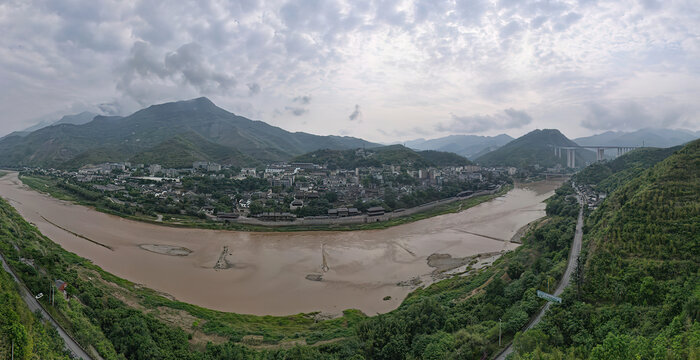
(280, 273)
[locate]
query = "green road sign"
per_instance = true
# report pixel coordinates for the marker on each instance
(548, 297)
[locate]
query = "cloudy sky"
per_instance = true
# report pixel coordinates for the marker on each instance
(381, 70)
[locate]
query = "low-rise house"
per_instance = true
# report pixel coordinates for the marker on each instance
(375, 211)
(296, 204)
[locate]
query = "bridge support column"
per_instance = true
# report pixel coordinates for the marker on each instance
(571, 158)
(600, 154)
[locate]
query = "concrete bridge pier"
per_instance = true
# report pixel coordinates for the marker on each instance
(571, 158)
(600, 154)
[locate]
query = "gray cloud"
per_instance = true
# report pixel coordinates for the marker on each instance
(296, 111)
(567, 20)
(253, 89)
(186, 65)
(510, 29)
(632, 114)
(304, 100)
(508, 119)
(111, 108)
(357, 114)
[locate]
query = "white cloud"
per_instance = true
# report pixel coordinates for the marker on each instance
(406, 61)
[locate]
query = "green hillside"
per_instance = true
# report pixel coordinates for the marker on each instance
(120, 138)
(31, 337)
(608, 175)
(387, 155)
(536, 147)
(182, 150)
(639, 293)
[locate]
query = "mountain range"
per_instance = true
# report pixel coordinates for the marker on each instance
(75, 119)
(661, 138)
(469, 146)
(535, 147)
(197, 129)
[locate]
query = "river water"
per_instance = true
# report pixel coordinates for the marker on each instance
(268, 273)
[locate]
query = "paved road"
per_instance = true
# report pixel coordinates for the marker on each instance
(34, 305)
(566, 279)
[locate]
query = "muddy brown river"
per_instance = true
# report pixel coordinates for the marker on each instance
(278, 273)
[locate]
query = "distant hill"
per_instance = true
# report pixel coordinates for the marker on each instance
(76, 119)
(536, 147)
(121, 138)
(607, 176)
(469, 146)
(661, 138)
(387, 155)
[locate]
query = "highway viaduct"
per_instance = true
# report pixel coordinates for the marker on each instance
(599, 149)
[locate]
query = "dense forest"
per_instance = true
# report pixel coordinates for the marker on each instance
(606, 176)
(640, 293)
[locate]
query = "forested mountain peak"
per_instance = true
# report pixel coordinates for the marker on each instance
(120, 138)
(535, 147)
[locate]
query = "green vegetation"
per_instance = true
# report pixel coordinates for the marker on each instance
(150, 205)
(3, 173)
(118, 318)
(609, 175)
(379, 156)
(191, 129)
(534, 148)
(639, 293)
(30, 336)
(458, 318)
(184, 149)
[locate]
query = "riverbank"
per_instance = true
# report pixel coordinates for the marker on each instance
(266, 273)
(440, 207)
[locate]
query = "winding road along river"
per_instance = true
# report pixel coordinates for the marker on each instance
(268, 273)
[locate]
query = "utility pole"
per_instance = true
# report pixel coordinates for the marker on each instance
(499, 332)
(13, 349)
(547, 283)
